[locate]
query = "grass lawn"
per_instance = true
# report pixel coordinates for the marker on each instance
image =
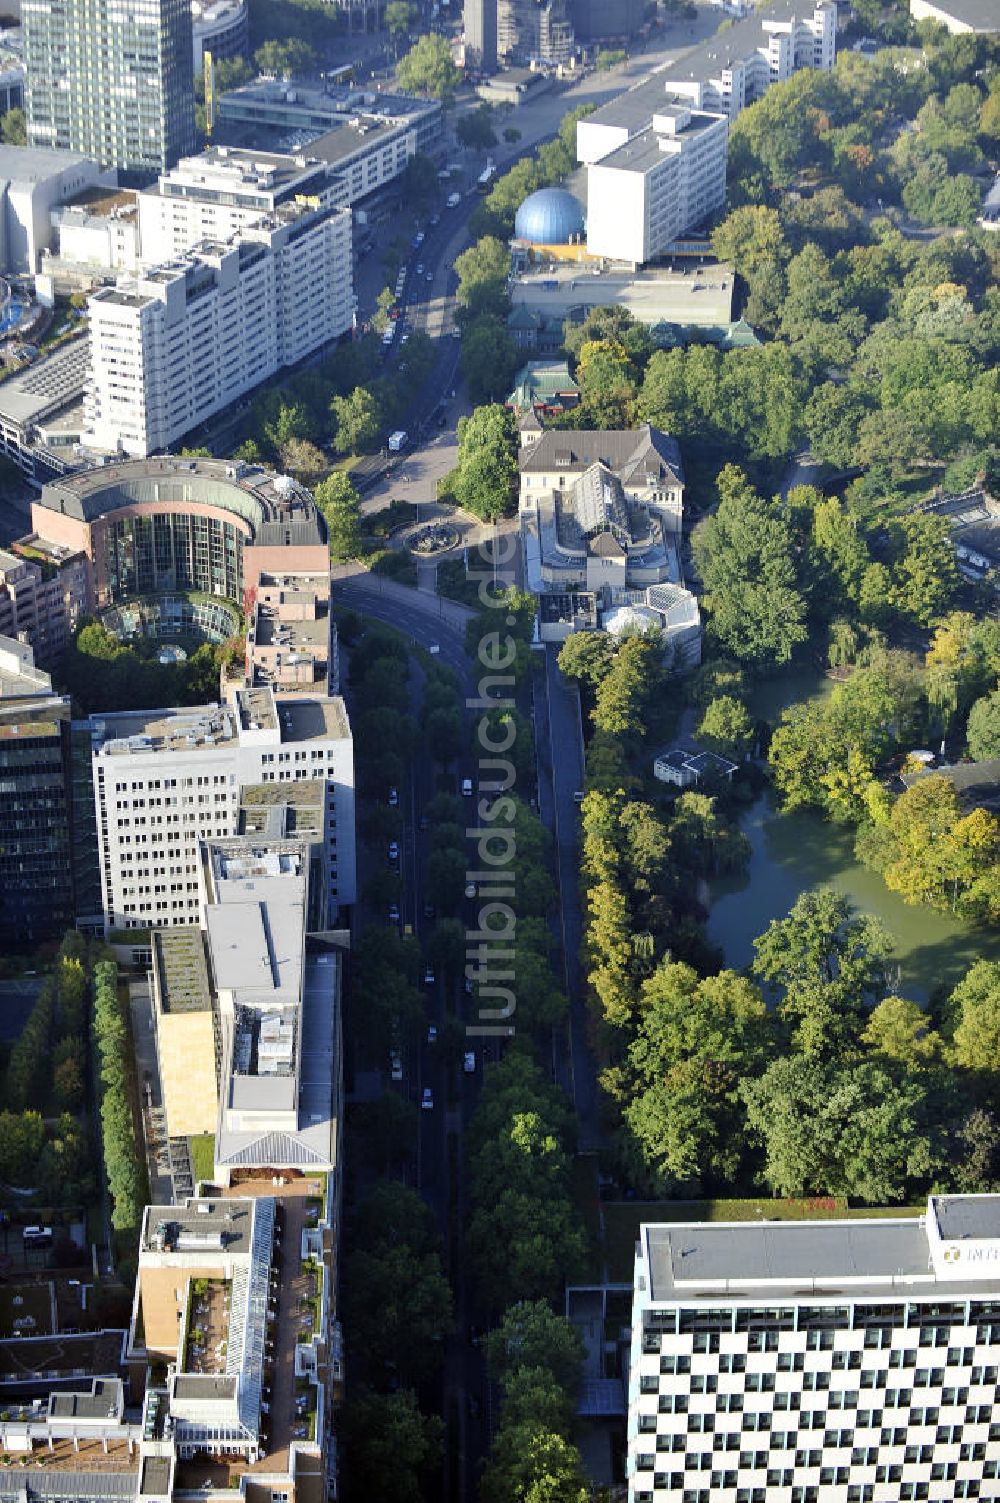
(202, 1151)
(18, 1302)
(622, 1219)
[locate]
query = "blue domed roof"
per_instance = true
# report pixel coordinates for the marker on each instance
(552, 216)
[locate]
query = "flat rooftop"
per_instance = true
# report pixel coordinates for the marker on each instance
(962, 1216)
(750, 1261)
(48, 384)
(136, 733)
(181, 971)
(103, 202)
(652, 297)
(319, 719)
(635, 108)
(205, 1219)
(100, 1403)
(642, 152)
(269, 171)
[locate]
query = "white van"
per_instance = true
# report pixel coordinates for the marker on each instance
(397, 440)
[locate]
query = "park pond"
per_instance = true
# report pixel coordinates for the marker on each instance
(792, 852)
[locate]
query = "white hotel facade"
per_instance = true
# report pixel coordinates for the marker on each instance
(818, 1362)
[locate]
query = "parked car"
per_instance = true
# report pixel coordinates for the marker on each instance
(468, 985)
(393, 850)
(470, 889)
(394, 913)
(427, 1099)
(466, 787)
(395, 1064)
(432, 1033)
(428, 975)
(393, 798)
(469, 1062)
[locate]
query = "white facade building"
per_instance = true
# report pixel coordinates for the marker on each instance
(639, 192)
(222, 192)
(164, 780)
(179, 343)
(657, 185)
(33, 182)
(818, 1362)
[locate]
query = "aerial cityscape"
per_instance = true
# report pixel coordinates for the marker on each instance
(499, 751)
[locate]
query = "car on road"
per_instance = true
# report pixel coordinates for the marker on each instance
(466, 787)
(432, 1033)
(418, 239)
(393, 912)
(395, 1064)
(469, 1062)
(427, 1099)
(470, 889)
(435, 219)
(393, 798)
(419, 268)
(393, 850)
(578, 796)
(428, 975)
(430, 276)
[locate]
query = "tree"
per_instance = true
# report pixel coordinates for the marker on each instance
(900, 1032)
(287, 59)
(482, 272)
(489, 358)
(726, 727)
(929, 851)
(587, 656)
(694, 1041)
(398, 1297)
(475, 129)
(839, 1129)
(745, 556)
(13, 128)
(428, 69)
(984, 727)
(974, 1015)
(925, 571)
(608, 390)
(391, 1449)
(400, 18)
(530, 1465)
(358, 421)
(487, 462)
(338, 502)
(531, 1336)
(829, 964)
(631, 685)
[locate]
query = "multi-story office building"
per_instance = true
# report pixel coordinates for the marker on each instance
(164, 780)
(818, 1362)
(179, 343)
(36, 889)
(480, 21)
(43, 597)
(658, 184)
(113, 82)
(168, 525)
(365, 137)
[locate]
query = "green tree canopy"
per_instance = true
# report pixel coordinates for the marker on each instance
(428, 69)
(487, 470)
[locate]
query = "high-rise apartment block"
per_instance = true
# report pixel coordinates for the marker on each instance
(113, 82)
(651, 189)
(656, 155)
(36, 889)
(818, 1362)
(177, 344)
